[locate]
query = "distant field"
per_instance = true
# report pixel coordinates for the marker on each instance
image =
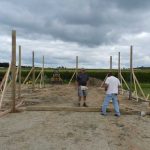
(142, 75)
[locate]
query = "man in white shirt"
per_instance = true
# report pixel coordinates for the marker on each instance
(112, 88)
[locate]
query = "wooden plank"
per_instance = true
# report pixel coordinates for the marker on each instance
(139, 86)
(72, 78)
(5, 85)
(79, 109)
(38, 76)
(10, 110)
(3, 81)
(124, 81)
(27, 76)
(49, 108)
(135, 88)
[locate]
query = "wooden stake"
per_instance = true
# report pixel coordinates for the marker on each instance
(124, 81)
(135, 88)
(33, 72)
(13, 70)
(131, 72)
(5, 85)
(72, 78)
(19, 88)
(27, 76)
(3, 81)
(147, 97)
(139, 86)
(38, 76)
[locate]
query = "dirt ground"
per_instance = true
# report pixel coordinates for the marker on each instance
(45, 130)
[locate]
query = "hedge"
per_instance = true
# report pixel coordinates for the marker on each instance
(143, 77)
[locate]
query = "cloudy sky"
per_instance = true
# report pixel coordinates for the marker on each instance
(60, 30)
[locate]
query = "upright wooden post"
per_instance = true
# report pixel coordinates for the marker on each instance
(131, 72)
(33, 72)
(19, 88)
(43, 71)
(119, 68)
(13, 70)
(110, 63)
(77, 63)
(42, 75)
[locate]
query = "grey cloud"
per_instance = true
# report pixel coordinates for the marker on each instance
(95, 28)
(85, 22)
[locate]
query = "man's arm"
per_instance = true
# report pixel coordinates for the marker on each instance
(77, 81)
(106, 86)
(87, 81)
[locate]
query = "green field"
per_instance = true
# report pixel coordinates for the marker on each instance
(142, 75)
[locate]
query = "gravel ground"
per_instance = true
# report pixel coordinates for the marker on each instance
(73, 130)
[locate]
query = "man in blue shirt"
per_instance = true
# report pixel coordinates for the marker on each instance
(82, 81)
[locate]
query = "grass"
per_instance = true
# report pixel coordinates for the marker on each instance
(145, 87)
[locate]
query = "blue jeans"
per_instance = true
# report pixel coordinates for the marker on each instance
(114, 99)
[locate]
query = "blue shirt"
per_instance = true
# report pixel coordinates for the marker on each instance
(82, 79)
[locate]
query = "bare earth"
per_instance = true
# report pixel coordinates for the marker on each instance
(73, 130)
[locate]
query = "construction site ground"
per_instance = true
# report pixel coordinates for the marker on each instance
(63, 130)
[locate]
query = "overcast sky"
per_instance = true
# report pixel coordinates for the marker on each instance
(62, 29)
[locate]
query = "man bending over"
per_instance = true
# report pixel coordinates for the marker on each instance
(112, 88)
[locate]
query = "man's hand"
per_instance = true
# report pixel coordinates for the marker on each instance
(106, 87)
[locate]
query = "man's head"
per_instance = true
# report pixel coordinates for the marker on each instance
(110, 74)
(82, 70)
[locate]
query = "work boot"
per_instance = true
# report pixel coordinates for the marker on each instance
(117, 115)
(85, 105)
(79, 104)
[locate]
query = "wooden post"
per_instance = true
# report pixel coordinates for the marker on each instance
(131, 72)
(110, 63)
(19, 88)
(43, 81)
(33, 72)
(13, 70)
(119, 71)
(77, 62)
(119, 68)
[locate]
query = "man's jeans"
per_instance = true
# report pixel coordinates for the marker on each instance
(114, 99)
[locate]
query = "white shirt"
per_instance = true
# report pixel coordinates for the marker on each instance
(113, 84)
